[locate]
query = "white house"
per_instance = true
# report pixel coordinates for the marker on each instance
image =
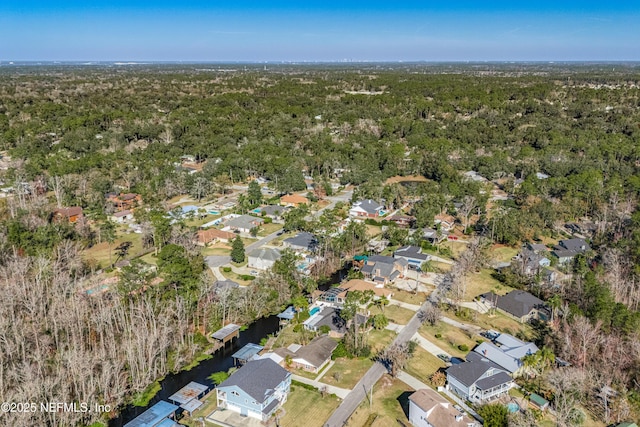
(122, 217)
(428, 409)
(263, 258)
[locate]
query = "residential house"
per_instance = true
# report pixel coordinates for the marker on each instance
(255, 390)
(123, 202)
(434, 236)
(122, 216)
(532, 259)
(506, 351)
(402, 221)
(243, 223)
(293, 200)
(263, 258)
(567, 250)
(72, 214)
(311, 357)
(479, 380)
(327, 316)
(428, 409)
(446, 221)
(475, 176)
(213, 235)
(302, 242)
(275, 212)
(413, 255)
(518, 304)
(384, 269)
(222, 286)
(366, 209)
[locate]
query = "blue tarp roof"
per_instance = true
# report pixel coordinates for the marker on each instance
(153, 416)
(247, 352)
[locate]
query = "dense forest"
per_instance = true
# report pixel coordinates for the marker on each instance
(77, 133)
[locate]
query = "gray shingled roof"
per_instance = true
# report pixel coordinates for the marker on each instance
(369, 206)
(470, 371)
(410, 252)
(257, 378)
(494, 380)
(244, 221)
(274, 210)
(268, 254)
(519, 303)
(304, 240)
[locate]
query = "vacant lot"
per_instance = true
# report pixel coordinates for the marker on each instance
(394, 313)
(423, 364)
(307, 407)
(450, 338)
(390, 404)
(482, 282)
(346, 372)
(409, 297)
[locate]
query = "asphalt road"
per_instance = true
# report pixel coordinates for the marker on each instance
(360, 391)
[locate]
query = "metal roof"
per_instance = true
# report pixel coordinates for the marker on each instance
(247, 352)
(189, 392)
(153, 416)
(191, 405)
(221, 334)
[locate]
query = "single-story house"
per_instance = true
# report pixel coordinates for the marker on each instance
(413, 255)
(403, 221)
(384, 269)
(274, 212)
(327, 316)
(434, 236)
(220, 286)
(263, 258)
(243, 223)
(122, 216)
(518, 304)
(367, 209)
(293, 200)
(311, 357)
(428, 409)
(213, 235)
(302, 242)
(255, 390)
(71, 214)
(479, 380)
(568, 249)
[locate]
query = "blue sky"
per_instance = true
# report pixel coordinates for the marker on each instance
(319, 30)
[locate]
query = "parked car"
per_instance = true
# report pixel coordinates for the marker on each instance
(444, 358)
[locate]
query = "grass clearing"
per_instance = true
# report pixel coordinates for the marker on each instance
(409, 297)
(379, 339)
(501, 323)
(423, 364)
(450, 338)
(266, 229)
(394, 313)
(105, 253)
(390, 403)
(479, 283)
(307, 407)
(502, 253)
(346, 372)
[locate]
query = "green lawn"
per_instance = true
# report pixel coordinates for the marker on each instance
(307, 407)
(218, 249)
(482, 282)
(104, 253)
(451, 338)
(502, 253)
(390, 403)
(267, 229)
(501, 323)
(346, 372)
(423, 364)
(379, 339)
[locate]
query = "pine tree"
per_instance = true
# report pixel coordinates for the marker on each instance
(237, 250)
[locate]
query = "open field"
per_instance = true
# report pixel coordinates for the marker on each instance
(479, 283)
(307, 407)
(502, 253)
(451, 338)
(409, 297)
(423, 364)
(394, 313)
(346, 372)
(390, 403)
(104, 253)
(501, 323)
(267, 229)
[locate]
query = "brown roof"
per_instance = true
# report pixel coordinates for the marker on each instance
(69, 212)
(122, 213)
(294, 199)
(361, 285)
(440, 411)
(317, 352)
(206, 236)
(128, 196)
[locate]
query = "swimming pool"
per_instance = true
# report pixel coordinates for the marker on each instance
(214, 212)
(512, 407)
(257, 210)
(314, 310)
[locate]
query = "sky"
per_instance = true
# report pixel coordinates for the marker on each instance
(275, 30)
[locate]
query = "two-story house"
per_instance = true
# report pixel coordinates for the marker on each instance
(479, 380)
(383, 270)
(256, 390)
(428, 409)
